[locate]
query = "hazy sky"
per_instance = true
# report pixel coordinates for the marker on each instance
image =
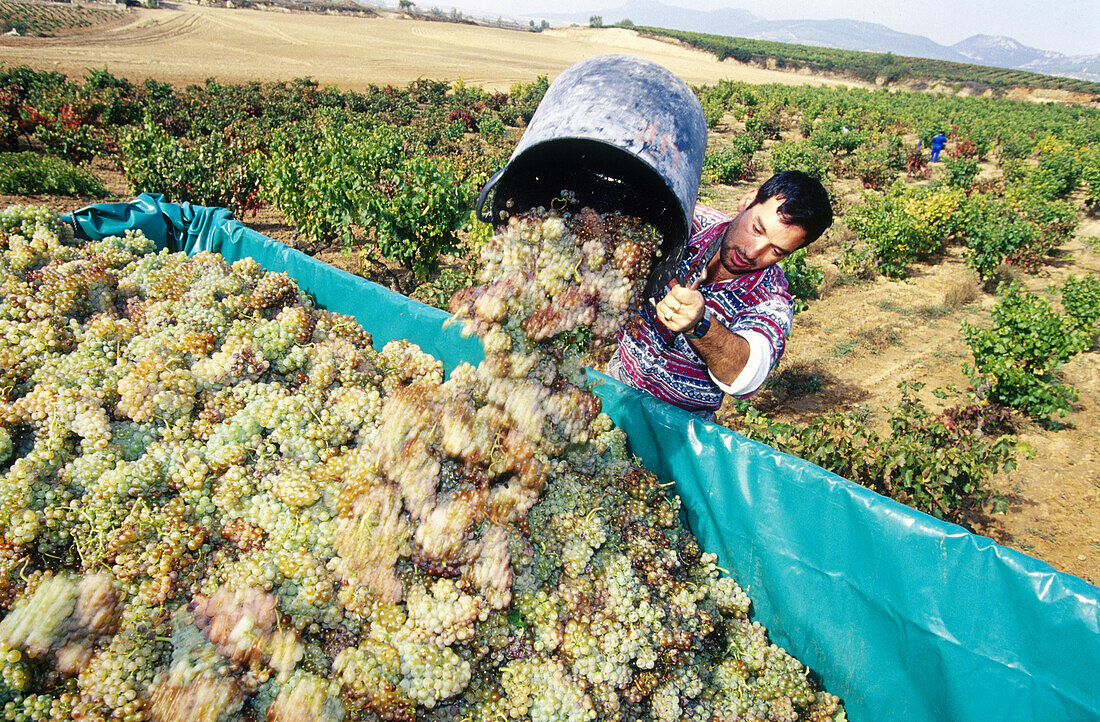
(1066, 26)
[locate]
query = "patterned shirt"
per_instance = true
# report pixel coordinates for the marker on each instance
(664, 364)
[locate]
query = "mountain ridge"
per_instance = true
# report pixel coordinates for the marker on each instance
(842, 33)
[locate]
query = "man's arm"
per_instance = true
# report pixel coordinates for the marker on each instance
(725, 353)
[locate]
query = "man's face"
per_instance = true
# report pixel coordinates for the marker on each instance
(756, 238)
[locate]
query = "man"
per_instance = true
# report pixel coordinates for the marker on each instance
(938, 141)
(724, 331)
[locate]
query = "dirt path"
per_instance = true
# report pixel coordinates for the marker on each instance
(184, 44)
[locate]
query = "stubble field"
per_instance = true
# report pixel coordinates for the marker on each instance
(188, 43)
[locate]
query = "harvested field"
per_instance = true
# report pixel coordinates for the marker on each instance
(184, 44)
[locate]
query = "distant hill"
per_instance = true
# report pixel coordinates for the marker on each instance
(1000, 51)
(997, 51)
(851, 35)
(1005, 52)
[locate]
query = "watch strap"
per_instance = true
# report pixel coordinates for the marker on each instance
(702, 326)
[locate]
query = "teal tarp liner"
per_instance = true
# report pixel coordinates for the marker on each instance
(903, 616)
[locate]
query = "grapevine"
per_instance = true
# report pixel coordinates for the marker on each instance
(220, 502)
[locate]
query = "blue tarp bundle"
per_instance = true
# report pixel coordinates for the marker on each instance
(903, 616)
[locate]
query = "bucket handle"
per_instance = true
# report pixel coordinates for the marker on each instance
(489, 185)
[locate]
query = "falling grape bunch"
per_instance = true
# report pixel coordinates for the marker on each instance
(218, 502)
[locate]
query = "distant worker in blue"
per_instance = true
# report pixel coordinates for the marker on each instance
(938, 141)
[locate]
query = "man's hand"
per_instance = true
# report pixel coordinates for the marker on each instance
(682, 307)
(724, 352)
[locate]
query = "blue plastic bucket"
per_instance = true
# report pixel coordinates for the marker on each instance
(620, 133)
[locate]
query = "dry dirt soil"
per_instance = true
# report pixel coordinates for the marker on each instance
(850, 349)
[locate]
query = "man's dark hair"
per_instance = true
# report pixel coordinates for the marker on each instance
(805, 202)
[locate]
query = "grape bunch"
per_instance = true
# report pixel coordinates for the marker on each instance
(550, 276)
(219, 502)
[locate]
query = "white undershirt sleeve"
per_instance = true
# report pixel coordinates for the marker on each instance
(756, 368)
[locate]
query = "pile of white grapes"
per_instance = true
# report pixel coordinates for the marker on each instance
(218, 502)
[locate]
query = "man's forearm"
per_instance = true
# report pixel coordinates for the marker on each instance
(725, 353)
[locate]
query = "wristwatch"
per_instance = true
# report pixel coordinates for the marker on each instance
(702, 326)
